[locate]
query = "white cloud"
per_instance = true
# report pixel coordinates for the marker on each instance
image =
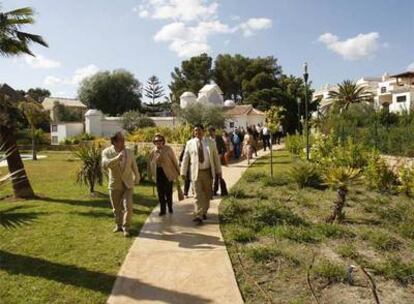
(255, 24)
(410, 67)
(178, 10)
(355, 48)
(192, 23)
(41, 62)
(78, 75)
(82, 73)
(190, 40)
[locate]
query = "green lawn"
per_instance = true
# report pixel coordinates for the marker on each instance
(273, 229)
(61, 249)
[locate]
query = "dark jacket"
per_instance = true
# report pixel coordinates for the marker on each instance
(221, 146)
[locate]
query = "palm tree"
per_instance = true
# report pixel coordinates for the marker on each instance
(348, 93)
(34, 114)
(340, 178)
(14, 42)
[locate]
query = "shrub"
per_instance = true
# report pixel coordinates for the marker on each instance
(277, 180)
(295, 144)
(205, 114)
(142, 159)
(177, 135)
(406, 181)
(331, 271)
(242, 234)
(379, 176)
(395, 269)
(298, 234)
(90, 172)
(270, 214)
(233, 210)
(265, 253)
(348, 251)
(381, 240)
(305, 174)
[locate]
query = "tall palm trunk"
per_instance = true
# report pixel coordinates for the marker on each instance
(21, 184)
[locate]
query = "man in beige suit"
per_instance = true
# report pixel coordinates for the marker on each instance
(123, 175)
(203, 159)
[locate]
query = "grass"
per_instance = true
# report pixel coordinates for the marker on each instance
(275, 228)
(60, 248)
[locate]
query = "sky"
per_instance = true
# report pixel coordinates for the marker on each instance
(338, 39)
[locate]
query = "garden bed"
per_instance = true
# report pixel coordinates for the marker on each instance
(280, 244)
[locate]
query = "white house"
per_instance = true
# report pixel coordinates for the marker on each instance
(242, 116)
(395, 92)
(61, 130)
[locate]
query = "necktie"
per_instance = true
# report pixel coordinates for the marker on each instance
(201, 152)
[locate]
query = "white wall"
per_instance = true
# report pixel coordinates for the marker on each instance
(400, 107)
(65, 130)
(110, 126)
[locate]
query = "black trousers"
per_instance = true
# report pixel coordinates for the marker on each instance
(266, 141)
(219, 181)
(187, 182)
(165, 190)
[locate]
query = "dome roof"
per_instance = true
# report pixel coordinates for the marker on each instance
(93, 112)
(188, 94)
(229, 103)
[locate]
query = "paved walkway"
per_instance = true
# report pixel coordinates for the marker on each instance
(174, 261)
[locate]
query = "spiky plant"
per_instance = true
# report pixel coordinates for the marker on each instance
(349, 92)
(12, 176)
(340, 178)
(90, 172)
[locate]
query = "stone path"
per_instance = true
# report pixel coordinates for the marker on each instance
(174, 261)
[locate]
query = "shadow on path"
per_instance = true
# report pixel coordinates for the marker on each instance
(81, 277)
(188, 240)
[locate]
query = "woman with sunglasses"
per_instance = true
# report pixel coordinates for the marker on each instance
(164, 170)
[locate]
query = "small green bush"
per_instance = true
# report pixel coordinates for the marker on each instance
(298, 234)
(306, 174)
(395, 269)
(277, 180)
(265, 253)
(407, 181)
(379, 176)
(242, 234)
(295, 144)
(348, 250)
(273, 213)
(331, 271)
(381, 240)
(234, 209)
(252, 177)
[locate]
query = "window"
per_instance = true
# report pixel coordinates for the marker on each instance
(402, 98)
(54, 128)
(54, 140)
(383, 89)
(232, 124)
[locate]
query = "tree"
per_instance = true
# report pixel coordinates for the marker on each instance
(192, 76)
(274, 117)
(348, 93)
(63, 113)
(38, 94)
(154, 89)
(113, 93)
(205, 114)
(133, 120)
(13, 42)
(34, 114)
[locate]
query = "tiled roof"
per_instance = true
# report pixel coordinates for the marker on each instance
(48, 102)
(242, 110)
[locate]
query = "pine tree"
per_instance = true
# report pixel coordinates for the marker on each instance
(154, 89)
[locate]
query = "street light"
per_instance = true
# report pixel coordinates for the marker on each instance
(305, 77)
(298, 101)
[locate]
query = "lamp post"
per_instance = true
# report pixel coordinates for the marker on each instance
(305, 77)
(298, 101)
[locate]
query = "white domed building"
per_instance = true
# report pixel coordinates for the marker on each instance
(186, 99)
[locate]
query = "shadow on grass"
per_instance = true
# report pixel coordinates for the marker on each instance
(16, 264)
(10, 219)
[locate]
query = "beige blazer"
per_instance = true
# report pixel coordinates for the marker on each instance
(119, 178)
(190, 158)
(167, 160)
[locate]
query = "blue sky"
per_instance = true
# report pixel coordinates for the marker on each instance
(338, 39)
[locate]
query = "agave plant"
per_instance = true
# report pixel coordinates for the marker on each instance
(90, 172)
(340, 178)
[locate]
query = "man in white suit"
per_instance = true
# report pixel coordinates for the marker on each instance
(203, 159)
(123, 174)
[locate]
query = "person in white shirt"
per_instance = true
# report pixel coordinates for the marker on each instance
(266, 137)
(202, 158)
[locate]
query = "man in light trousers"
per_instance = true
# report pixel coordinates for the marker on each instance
(123, 174)
(202, 158)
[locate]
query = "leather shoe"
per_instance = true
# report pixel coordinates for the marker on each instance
(161, 213)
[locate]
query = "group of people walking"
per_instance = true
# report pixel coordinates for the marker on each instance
(199, 165)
